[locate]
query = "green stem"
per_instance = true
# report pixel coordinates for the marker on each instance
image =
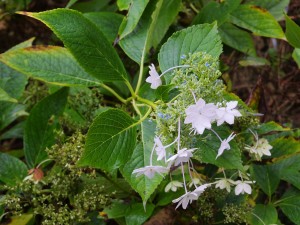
(143, 118)
(130, 88)
(128, 99)
(114, 93)
(136, 108)
(148, 102)
(140, 74)
(194, 8)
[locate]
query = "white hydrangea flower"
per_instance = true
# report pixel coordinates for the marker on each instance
(224, 183)
(261, 148)
(227, 114)
(150, 171)
(159, 149)
(199, 190)
(243, 187)
(173, 186)
(154, 78)
(225, 144)
(200, 115)
(185, 199)
(183, 155)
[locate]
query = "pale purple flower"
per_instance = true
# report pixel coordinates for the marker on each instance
(243, 187)
(227, 114)
(185, 199)
(173, 186)
(150, 171)
(200, 115)
(225, 144)
(183, 155)
(154, 78)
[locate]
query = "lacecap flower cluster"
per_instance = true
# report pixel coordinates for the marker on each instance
(198, 107)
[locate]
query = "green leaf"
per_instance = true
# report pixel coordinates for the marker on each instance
(275, 7)
(290, 205)
(12, 170)
(288, 169)
(166, 198)
(70, 3)
(166, 92)
(152, 27)
(266, 177)
(296, 56)
(12, 81)
(24, 219)
(203, 37)
(116, 210)
(264, 214)
(92, 6)
(10, 112)
(86, 42)
(110, 140)
(23, 44)
(292, 32)
(254, 61)
(214, 11)
(107, 22)
(141, 158)
(208, 149)
(134, 213)
(39, 127)
(135, 12)
(237, 38)
(4, 96)
(137, 215)
(257, 20)
(13, 132)
(135, 45)
(284, 146)
(123, 4)
(51, 64)
(270, 127)
(163, 16)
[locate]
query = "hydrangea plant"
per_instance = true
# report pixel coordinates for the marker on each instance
(177, 137)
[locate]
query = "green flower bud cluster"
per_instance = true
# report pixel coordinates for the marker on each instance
(199, 79)
(245, 122)
(208, 204)
(92, 198)
(13, 204)
(35, 91)
(67, 154)
(63, 196)
(83, 104)
(236, 214)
